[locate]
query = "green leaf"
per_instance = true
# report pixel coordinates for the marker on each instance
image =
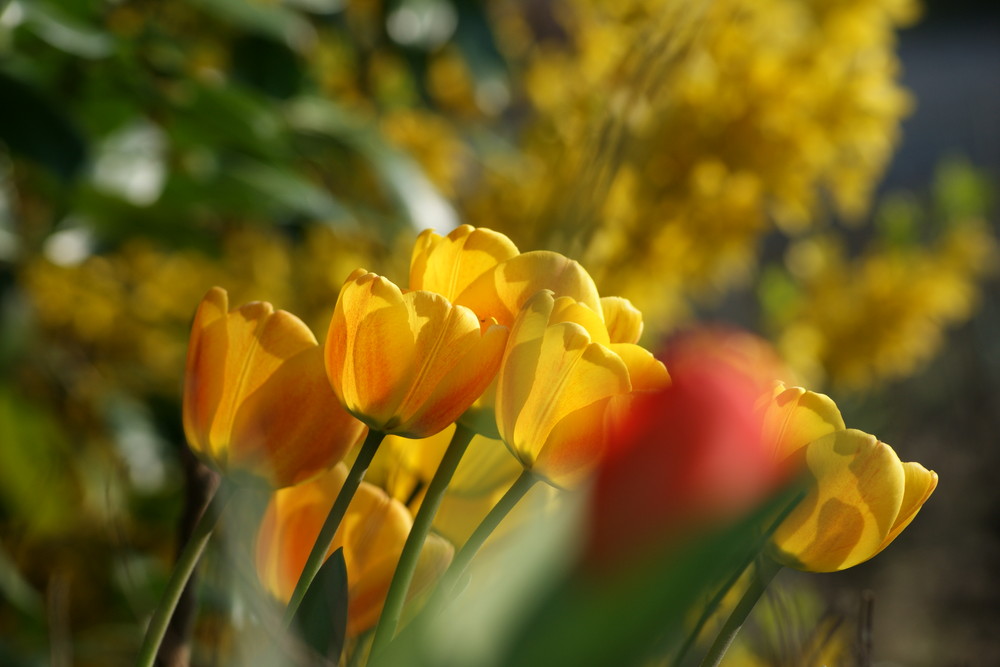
(322, 616)
(418, 200)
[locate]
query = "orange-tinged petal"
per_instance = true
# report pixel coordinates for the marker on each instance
(501, 292)
(447, 265)
(470, 375)
(574, 445)
(292, 426)
(370, 348)
(857, 490)
(920, 484)
(645, 372)
(794, 417)
(623, 320)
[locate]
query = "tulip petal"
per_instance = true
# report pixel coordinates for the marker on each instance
(447, 265)
(794, 417)
(567, 309)
(570, 373)
(370, 348)
(623, 320)
(501, 292)
(920, 484)
(574, 445)
(645, 372)
(292, 426)
(858, 487)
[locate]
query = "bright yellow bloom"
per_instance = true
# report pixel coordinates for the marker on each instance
(372, 536)
(558, 376)
(256, 397)
(861, 495)
(407, 363)
(448, 264)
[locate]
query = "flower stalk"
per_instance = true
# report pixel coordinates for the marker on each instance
(326, 534)
(396, 597)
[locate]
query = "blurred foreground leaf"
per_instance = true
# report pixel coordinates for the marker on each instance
(322, 616)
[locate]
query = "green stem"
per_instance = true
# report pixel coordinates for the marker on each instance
(716, 600)
(326, 534)
(396, 597)
(762, 576)
(186, 562)
(471, 547)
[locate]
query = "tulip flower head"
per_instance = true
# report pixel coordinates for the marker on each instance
(256, 398)
(860, 497)
(407, 363)
(559, 375)
(372, 536)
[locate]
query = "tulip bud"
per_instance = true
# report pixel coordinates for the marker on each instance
(256, 397)
(407, 363)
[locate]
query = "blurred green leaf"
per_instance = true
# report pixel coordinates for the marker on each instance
(34, 128)
(961, 192)
(37, 480)
(322, 616)
(66, 33)
(420, 202)
(289, 191)
(621, 618)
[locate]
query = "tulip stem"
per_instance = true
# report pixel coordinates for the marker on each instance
(763, 573)
(471, 547)
(183, 568)
(326, 534)
(396, 597)
(723, 590)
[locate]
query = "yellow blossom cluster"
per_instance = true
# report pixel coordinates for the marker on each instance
(129, 309)
(857, 321)
(675, 134)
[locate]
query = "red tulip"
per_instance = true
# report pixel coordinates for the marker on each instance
(684, 459)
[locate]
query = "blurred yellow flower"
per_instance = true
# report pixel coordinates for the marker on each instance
(558, 376)
(256, 397)
(407, 363)
(372, 535)
(860, 497)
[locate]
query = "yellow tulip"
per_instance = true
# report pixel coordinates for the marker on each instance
(502, 291)
(449, 264)
(256, 397)
(558, 378)
(860, 497)
(407, 363)
(372, 535)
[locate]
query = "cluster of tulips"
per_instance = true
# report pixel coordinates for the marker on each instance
(494, 371)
